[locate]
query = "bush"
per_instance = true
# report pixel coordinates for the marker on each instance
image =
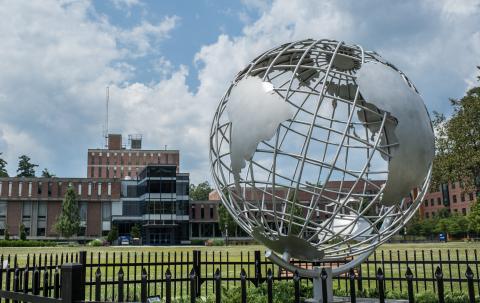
(96, 242)
(197, 242)
(23, 234)
(218, 242)
(24, 243)
(112, 234)
(7, 234)
(426, 297)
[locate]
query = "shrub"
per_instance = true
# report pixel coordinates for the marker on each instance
(23, 243)
(96, 242)
(197, 242)
(7, 234)
(218, 242)
(426, 297)
(112, 234)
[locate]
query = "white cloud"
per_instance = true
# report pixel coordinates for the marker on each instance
(56, 60)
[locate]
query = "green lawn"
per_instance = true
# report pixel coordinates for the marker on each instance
(125, 254)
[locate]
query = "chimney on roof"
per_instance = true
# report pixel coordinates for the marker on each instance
(114, 141)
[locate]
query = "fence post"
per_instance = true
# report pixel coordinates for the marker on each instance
(193, 292)
(243, 284)
(381, 285)
(56, 284)
(120, 285)
(323, 277)
(269, 286)
(409, 277)
(45, 282)
(471, 292)
(258, 268)
(168, 286)
(197, 261)
(351, 276)
(25, 279)
(218, 286)
(16, 279)
(72, 287)
(143, 287)
(35, 281)
(359, 278)
(439, 277)
(296, 281)
(98, 284)
(83, 260)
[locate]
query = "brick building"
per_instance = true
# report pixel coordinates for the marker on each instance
(451, 197)
(119, 161)
(36, 203)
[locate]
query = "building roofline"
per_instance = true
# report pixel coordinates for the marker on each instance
(143, 150)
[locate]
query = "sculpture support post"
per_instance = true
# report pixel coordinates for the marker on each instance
(319, 283)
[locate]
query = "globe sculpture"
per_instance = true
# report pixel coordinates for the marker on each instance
(321, 151)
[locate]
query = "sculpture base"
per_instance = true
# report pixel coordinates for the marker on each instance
(318, 289)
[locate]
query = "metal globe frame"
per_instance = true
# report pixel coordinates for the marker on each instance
(309, 74)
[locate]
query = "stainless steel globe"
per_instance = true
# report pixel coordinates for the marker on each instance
(321, 150)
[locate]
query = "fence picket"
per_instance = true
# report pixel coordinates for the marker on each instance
(218, 287)
(168, 286)
(439, 278)
(351, 276)
(243, 285)
(409, 277)
(269, 286)
(381, 285)
(471, 291)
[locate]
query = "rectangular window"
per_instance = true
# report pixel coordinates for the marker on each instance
(192, 212)
(439, 201)
(3, 210)
(453, 185)
(89, 192)
(49, 189)
(59, 189)
(82, 207)
(454, 198)
(1, 185)
(470, 196)
(27, 210)
(426, 202)
(99, 189)
(432, 203)
(20, 187)
(100, 172)
(10, 188)
(29, 189)
(464, 211)
(202, 213)
(79, 189)
(39, 188)
(426, 215)
(211, 211)
(109, 189)
(106, 211)
(462, 197)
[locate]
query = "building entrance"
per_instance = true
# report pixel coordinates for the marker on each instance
(161, 236)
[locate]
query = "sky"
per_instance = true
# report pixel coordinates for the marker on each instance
(168, 63)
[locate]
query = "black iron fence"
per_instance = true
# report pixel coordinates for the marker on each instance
(134, 277)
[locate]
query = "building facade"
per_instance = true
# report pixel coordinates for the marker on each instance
(120, 161)
(36, 203)
(451, 197)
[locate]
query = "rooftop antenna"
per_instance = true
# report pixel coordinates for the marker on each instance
(107, 99)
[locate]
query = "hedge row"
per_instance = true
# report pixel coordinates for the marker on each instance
(26, 243)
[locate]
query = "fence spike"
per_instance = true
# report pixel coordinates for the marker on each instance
(296, 281)
(193, 291)
(243, 284)
(381, 285)
(471, 290)
(269, 285)
(98, 284)
(143, 285)
(439, 277)
(120, 285)
(168, 286)
(351, 276)
(218, 287)
(409, 277)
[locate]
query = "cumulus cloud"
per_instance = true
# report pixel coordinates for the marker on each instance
(57, 58)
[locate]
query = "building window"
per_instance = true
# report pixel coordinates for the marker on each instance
(109, 189)
(464, 211)
(211, 211)
(470, 196)
(89, 192)
(454, 198)
(99, 171)
(20, 187)
(192, 213)
(3, 217)
(453, 185)
(42, 219)
(59, 189)
(39, 188)
(426, 215)
(432, 203)
(1, 185)
(99, 189)
(10, 188)
(79, 189)
(49, 189)
(82, 209)
(91, 172)
(462, 197)
(202, 213)
(439, 201)
(426, 202)
(106, 211)
(27, 216)
(29, 189)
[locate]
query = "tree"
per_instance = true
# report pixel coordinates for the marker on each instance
(458, 142)
(47, 174)
(23, 233)
(3, 167)
(474, 217)
(68, 223)
(200, 192)
(25, 168)
(7, 233)
(135, 232)
(225, 219)
(112, 234)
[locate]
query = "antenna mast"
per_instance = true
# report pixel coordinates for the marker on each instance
(107, 99)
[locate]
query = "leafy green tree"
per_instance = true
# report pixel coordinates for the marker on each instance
(68, 223)
(112, 234)
(23, 233)
(474, 217)
(25, 168)
(135, 232)
(458, 142)
(200, 192)
(47, 174)
(225, 219)
(3, 167)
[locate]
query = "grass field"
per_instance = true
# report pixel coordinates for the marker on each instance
(391, 252)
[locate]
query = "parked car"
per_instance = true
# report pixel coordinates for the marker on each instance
(124, 240)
